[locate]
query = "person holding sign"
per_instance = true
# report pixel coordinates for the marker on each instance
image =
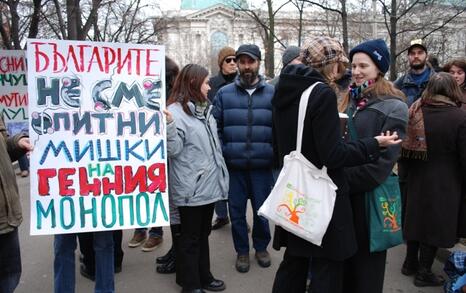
(11, 148)
(198, 176)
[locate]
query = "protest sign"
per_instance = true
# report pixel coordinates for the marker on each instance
(99, 159)
(13, 90)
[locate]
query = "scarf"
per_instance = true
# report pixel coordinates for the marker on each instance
(356, 93)
(200, 109)
(414, 145)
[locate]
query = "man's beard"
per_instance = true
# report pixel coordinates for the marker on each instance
(418, 66)
(248, 77)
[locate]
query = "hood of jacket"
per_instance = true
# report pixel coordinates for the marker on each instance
(294, 79)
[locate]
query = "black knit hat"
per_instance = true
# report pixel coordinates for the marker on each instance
(377, 50)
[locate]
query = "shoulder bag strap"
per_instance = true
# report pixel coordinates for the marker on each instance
(351, 128)
(302, 114)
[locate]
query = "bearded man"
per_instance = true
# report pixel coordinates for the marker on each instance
(413, 83)
(243, 110)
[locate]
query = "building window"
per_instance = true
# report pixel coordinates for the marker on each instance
(217, 42)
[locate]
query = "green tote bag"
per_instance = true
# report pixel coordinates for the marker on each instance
(383, 209)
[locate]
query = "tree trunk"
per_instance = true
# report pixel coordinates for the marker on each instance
(34, 27)
(13, 5)
(344, 20)
(269, 50)
(300, 31)
(72, 9)
(393, 40)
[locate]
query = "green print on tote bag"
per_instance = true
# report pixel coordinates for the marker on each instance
(383, 208)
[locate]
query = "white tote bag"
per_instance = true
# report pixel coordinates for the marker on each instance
(303, 197)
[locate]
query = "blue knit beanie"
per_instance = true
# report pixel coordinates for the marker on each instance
(377, 50)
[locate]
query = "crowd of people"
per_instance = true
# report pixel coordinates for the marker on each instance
(226, 139)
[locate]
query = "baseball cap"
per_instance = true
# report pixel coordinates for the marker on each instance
(249, 49)
(417, 43)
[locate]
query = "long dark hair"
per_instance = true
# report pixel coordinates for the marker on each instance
(188, 86)
(443, 84)
(171, 72)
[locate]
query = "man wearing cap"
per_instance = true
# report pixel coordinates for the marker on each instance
(290, 56)
(243, 111)
(226, 75)
(413, 83)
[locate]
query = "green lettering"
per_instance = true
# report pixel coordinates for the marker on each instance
(105, 198)
(144, 196)
(108, 169)
(84, 211)
(91, 170)
(71, 212)
(159, 201)
(42, 213)
(121, 209)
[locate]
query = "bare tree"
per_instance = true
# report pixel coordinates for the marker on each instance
(265, 21)
(300, 6)
(329, 5)
(130, 22)
(18, 20)
(400, 19)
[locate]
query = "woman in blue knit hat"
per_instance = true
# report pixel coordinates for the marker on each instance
(375, 106)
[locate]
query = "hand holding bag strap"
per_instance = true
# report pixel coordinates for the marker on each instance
(302, 114)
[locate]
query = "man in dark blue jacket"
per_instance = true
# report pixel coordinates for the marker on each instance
(413, 83)
(243, 111)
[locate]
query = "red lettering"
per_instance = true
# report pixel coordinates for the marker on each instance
(38, 55)
(116, 186)
(19, 64)
(109, 58)
(81, 56)
(149, 61)
(85, 187)
(74, 58)
(44, 175)
(156, 174)
(138, 179)
(64, 183)
(58, 56)
(96, 55)
(121, 63)
(138, 60)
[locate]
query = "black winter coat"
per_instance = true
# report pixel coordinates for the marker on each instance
(434, 186)
(217, 82)
(379, 115)
(322, 145)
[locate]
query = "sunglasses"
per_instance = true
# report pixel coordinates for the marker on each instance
(230, 59)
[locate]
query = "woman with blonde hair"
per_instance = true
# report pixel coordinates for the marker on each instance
(322, 145)
(374, 106)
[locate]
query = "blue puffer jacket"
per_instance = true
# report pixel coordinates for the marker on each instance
(245, 125)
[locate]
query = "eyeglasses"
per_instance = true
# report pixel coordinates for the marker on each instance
(230, 59)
